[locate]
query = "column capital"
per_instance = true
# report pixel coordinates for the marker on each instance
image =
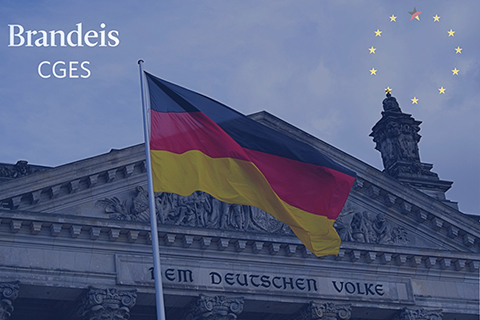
(214, 308)
(418, 314)
(108, 304)
(8, 294)
(325, 311)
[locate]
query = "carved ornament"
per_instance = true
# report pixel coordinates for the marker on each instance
(325, 311)
(108, 304)
(214, 308)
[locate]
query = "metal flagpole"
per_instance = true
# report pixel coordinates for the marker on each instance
(157, 272)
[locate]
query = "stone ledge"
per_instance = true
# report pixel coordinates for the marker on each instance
(76, 185)
(45, 226)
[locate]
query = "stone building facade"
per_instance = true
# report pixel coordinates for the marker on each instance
(75, 243)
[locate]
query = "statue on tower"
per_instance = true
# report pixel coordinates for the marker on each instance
(396, 137)
(390, 104)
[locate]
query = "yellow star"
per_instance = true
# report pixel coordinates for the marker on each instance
(372, 50)
(414, 100)
(451, 33)
(455, 72)
(378, 33)
(436, 18)
(458, 50)
(373, 72)
(442, 90)
(388, 90)
(393, 18)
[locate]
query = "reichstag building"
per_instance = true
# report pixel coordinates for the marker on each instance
(75, 243)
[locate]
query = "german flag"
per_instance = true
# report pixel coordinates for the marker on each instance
(200, 144)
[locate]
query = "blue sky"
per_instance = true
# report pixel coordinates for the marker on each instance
(307, 62)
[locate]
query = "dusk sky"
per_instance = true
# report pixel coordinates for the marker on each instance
(310, 63)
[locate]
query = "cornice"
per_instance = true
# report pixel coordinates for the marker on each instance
(77, 231)
(72, 178)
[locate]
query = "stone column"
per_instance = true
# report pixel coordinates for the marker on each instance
(8, 294)
(418, 314)
(214, 308)
(108, 304)
(325, 311)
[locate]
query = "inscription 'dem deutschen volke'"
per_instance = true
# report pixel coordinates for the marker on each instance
(264, 281)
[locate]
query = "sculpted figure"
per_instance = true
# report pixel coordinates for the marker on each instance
(370, 236)
(166, 206)
(382, 228)
(140, 210)
(391, 104)
(213, 218)
(163, 205)
(359, 230)
(225, 217)
(237, 217)
(185, 211)
(344, 230)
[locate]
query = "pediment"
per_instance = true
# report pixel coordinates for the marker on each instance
(380, 212)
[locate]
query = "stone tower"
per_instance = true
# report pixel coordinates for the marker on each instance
(396, 137)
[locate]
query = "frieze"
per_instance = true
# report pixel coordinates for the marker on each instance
(357, 225)
(204, 211)
(197, 210)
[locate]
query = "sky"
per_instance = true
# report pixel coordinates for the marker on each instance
(307, 62)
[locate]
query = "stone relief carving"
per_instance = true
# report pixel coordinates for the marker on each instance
(214, 308)
(398, 142)
(107, 304)
(116, 208)
(204, 211)
(325, 311)
(196, 210)
(361, 226)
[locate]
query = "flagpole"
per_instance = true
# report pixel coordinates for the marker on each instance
(157, 271)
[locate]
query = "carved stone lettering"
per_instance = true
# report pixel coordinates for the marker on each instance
(358, 288)
(266, 281)
(136, 270)
(175, 275)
